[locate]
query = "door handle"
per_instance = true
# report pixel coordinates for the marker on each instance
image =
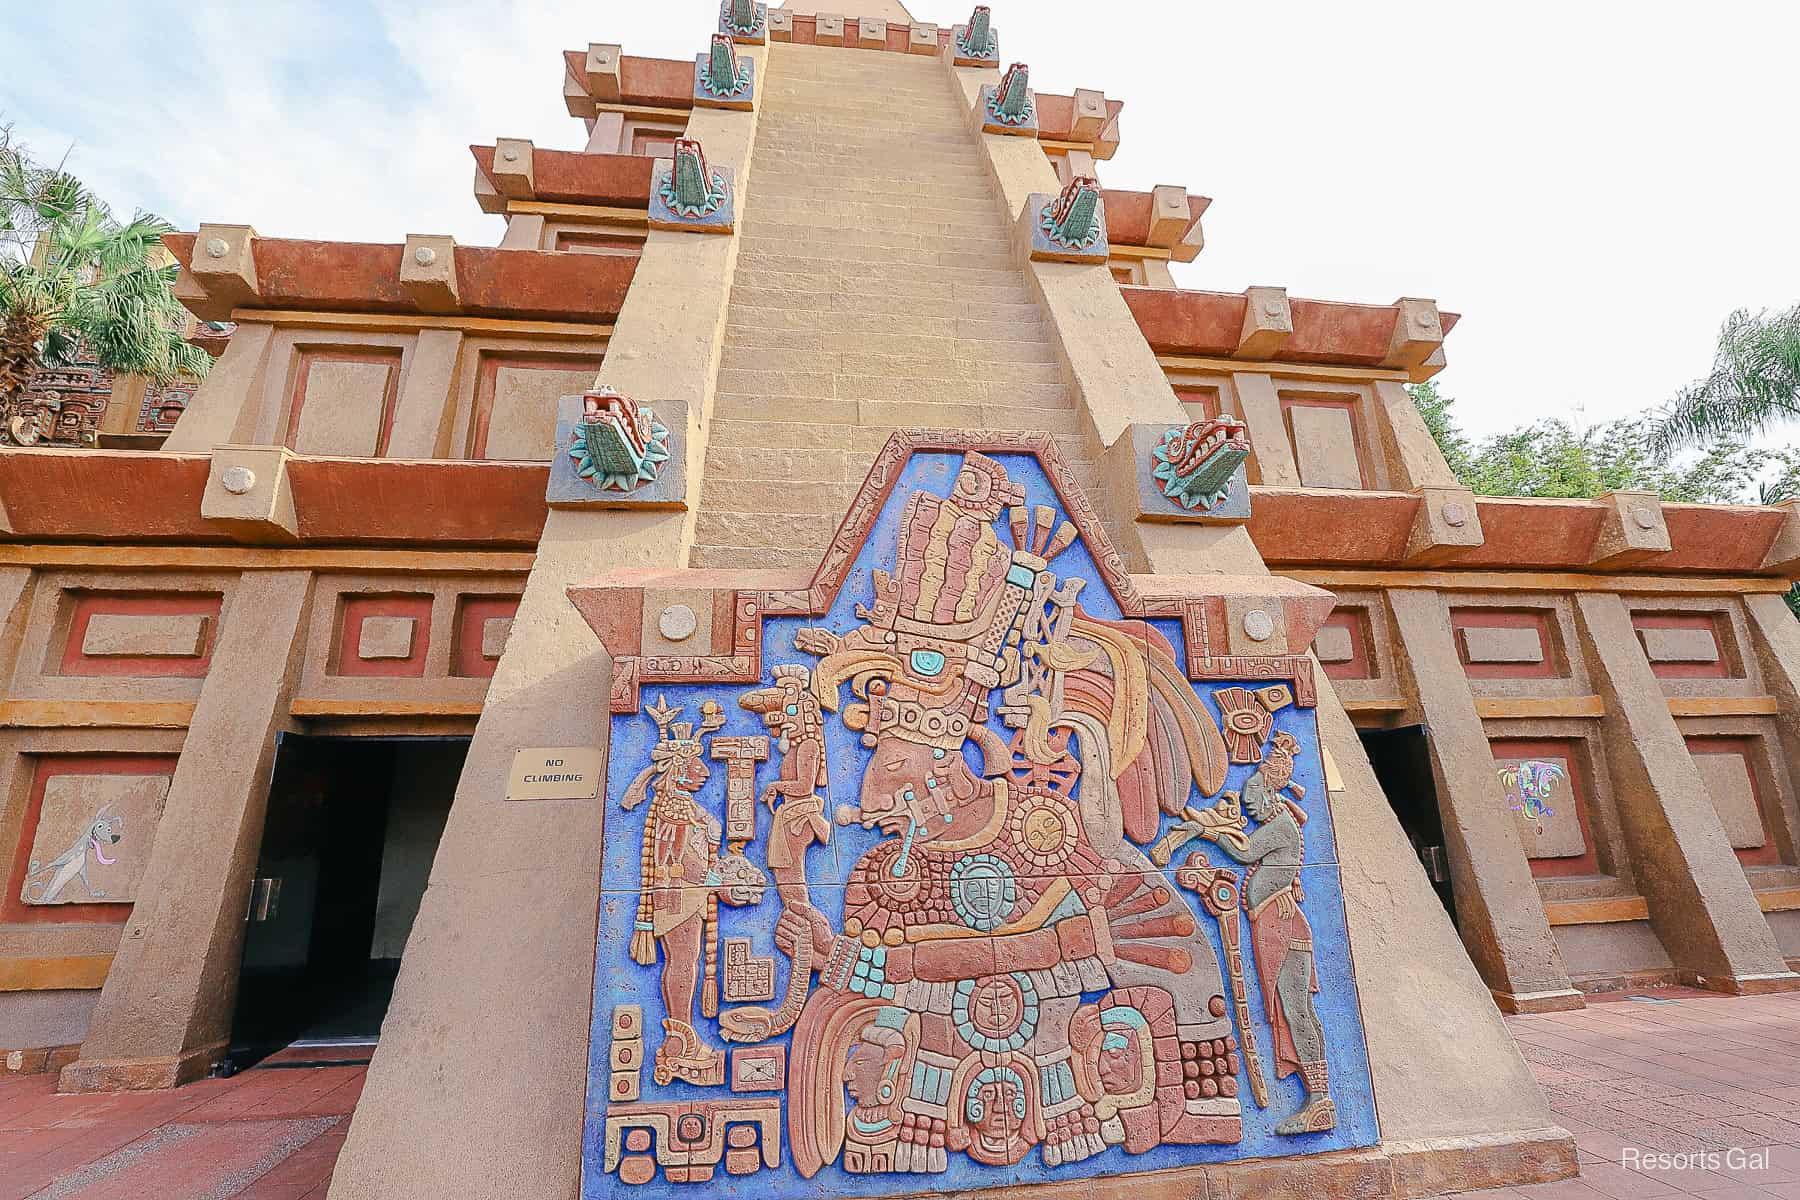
(265, 898)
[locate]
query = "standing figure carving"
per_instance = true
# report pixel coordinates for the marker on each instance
(684, 878)
(1279, 932)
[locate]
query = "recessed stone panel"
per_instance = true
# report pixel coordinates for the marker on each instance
(386, 637)
(1695, 644)
(342, 404)
(1325, 449)
(1490, 644)
(519, 400)
(1732, 790)
(149, 635)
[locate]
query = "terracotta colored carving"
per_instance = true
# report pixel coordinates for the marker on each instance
(684, 878)
(1280, 933)
(1011, 104)
(1246, 723)
(1073, 220)
(744, 18)
(1195, 465)
(791, 712)
(976, 39)
(991, 968)
(618, 443)
(626, 1054)
(725, 78)
(693, 189)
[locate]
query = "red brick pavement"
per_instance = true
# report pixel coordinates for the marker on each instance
(1704, 1080)
(1684, 1073)
(262, 1135)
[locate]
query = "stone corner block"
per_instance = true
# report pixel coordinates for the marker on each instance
(923, 39)
(224, 263)
(1447, 524)
(248, 494)
(602, 70)
(1418, 333)
(1631, 529)
(513, 175)
(1268, 323)
(428, 272)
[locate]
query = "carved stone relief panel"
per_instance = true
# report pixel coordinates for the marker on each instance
(954, 877)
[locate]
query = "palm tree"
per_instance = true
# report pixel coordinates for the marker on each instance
(1754, 384)
(71, 277)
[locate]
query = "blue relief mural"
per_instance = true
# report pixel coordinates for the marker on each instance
(973, 887)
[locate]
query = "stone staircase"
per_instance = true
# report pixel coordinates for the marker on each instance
(875, 290)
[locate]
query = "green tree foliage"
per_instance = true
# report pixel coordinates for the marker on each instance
(72, 276)
(1554, 458)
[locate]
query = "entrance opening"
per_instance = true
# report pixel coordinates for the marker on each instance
(1402, 761)
(352, 827)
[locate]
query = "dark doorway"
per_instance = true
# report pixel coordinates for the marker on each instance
(1402, 761)
(352, 827)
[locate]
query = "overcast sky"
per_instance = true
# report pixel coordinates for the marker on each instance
(1594, 186)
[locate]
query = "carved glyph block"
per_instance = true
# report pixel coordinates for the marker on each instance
(386, 637)
(93, 838)
(130, 635)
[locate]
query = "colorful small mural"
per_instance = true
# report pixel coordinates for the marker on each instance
(975, 886)
(93, 838)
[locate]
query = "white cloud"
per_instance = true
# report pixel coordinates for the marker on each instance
(1592, 186)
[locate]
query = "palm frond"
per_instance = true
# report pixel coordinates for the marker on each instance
(1753, 386)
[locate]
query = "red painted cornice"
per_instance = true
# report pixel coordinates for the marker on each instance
(524, 285)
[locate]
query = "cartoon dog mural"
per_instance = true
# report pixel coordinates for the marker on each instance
(72, 864)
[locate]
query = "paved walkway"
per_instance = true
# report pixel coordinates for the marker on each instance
(1677, 1073)
(263, 1135)
(1702, 1080)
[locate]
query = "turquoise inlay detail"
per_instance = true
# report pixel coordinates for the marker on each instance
(1020, 575)
(982, 891)
(929, 663)
(973, 1034)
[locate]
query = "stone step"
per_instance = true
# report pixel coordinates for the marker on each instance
(790, 263)
(859, 282)
(721, 527)
(754, 335)
(922, 383)
(869, 211)
(805, 464)
(902, 357)
(758, 557)
(776, 236)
